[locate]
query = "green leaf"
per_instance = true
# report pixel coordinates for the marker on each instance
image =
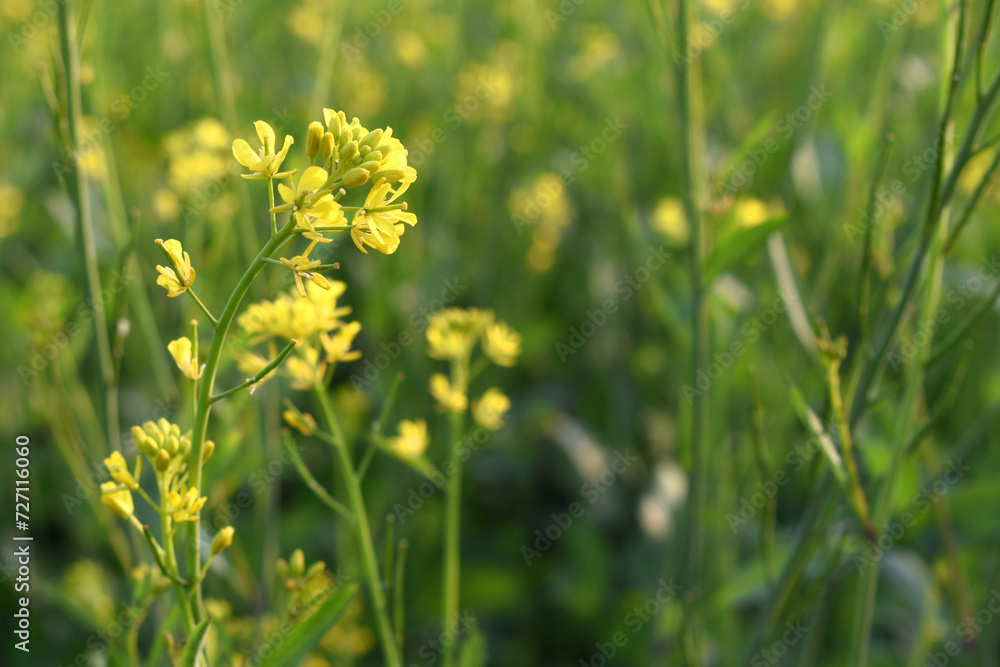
(195, 644)
(739, 242)
(304, 637)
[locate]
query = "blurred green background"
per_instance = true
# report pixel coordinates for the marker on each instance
(547, 143)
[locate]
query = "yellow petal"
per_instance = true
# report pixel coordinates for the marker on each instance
(265, 133)
(286, 193)
(245, 155)
(312, 179)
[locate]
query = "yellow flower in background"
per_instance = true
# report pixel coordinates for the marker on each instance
(182, 352)
(338, 346)
(292, 315)
(490, 409)
(166, 206)
(452, 333)
(177, 278)
(974, 171)
(184, 505)
(750, 212)
(449, 397)
(198, 154)
(545, 208)
(412, 441)
(119, 502)
(11, 204)
(670, 220)
(263, 163)
(249, 363)
(303, 422)
(304, 368)
(501, 344)
(119, 470)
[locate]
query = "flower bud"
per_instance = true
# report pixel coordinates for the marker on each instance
(326, 146)
(371, 139)
(313, 138)
(207, 451)
(389, 175)
(315, 569)
(297, 563)
(348, 151)
(354, 177)
(281, 568)
(162, 461)
(371, 166)
(222, 540)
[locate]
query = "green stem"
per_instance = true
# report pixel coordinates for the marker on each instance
(261, 374)
(692, 208)
(203, 307)
(84, 220)
(397, 597)
(452, 551)
(204, 407)
(313, 484)
(363, 532)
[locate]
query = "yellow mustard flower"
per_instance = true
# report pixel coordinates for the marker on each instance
(177, 278)
(450, 398)
(452, 332)
(303, 267)
(182, 352)
(292, 315)
(412, 441)
(304, 368)
(119, 470)
(338, 346)
(379, 224)
(184, 505)
(118, 501)
(303, 422)
(264, 163)
(501, 344)
(490, 409)
(308, 199)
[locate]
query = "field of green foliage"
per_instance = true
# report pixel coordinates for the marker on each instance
(569, 333)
